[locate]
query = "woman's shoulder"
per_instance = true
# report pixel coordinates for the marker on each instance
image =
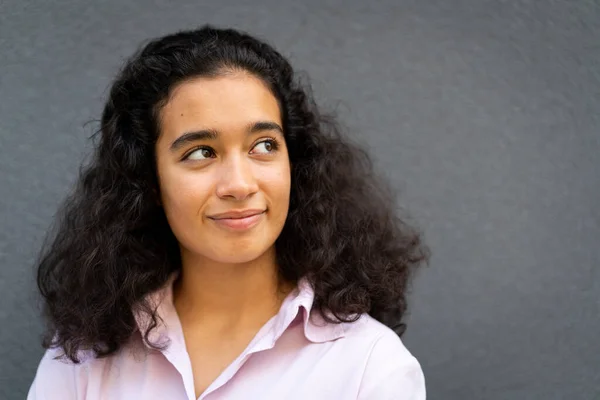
(389, 366)
(367, 331)
(58, 375)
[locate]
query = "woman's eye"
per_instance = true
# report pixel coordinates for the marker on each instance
(201, 153)
(265, 147)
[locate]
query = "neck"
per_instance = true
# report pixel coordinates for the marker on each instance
(228, 295)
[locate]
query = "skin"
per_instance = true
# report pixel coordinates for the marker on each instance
(228, 287)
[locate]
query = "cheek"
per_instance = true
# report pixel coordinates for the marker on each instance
(184, 194)
(276, 183)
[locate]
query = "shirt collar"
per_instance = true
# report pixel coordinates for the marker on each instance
(297, 306)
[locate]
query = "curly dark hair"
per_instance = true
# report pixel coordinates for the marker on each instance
(112, 245)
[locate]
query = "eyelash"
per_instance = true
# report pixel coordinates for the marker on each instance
(274, 144)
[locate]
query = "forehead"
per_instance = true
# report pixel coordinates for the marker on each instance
(225, 103)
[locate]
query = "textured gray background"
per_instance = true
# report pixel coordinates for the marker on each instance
(485, 115)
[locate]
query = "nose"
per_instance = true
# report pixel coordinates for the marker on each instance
(236, 179)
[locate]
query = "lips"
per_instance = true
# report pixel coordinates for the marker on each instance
(238, 220)
(237, 214)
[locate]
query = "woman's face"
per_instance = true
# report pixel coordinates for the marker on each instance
(223, 168)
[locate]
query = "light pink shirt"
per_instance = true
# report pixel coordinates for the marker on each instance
(291, 357)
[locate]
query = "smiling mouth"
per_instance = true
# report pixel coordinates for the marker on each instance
(238, 220)
(237, 214)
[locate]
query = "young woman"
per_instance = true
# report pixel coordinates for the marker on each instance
(225, 242)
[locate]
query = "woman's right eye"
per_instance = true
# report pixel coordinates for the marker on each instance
(201, 153)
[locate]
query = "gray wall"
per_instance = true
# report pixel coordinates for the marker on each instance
(485, 115)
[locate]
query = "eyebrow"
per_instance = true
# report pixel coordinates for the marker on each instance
(212, 134)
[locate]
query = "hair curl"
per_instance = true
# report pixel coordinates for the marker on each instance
(113, 245)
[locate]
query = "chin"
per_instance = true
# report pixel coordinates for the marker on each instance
(229, 249)
(238, 258)
(239, 254)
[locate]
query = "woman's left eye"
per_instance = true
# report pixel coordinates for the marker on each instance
(265, 147)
